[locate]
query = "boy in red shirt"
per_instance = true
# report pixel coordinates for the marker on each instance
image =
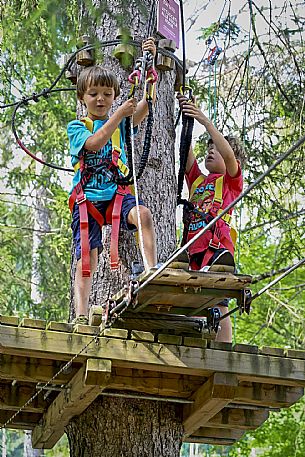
(208, 195)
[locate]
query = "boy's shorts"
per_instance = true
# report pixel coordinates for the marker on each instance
(95, 233)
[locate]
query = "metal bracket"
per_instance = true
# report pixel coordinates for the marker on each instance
(213, 318)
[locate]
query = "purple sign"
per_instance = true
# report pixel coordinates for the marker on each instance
(168, 20)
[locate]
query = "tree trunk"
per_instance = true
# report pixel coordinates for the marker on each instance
(142, 428)
(130, 427)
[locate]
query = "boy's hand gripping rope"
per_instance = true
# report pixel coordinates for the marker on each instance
(185, 144)
(136, 79)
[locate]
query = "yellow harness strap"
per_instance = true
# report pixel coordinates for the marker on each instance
(218, 198)
(116, 145)
(195, 184)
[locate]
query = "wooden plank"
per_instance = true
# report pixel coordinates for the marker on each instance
(122, 334)
(33, 323)
(153, 356)
(78, 395)
(169, 339)
(60, 326)
(181, 296)
(245, 348)
(9, 320)
(197, 278)
(216, 433)
(240, 419)
(22, 421)
(139, 335)
(276, 352)
(13, 397)
(86, 329)
(209, 399)
(211, 441)
(295, 354)
(153, 383)
(219, 345)
(29, 369)
(267, 395)
(194, 342)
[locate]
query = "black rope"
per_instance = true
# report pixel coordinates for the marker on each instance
(147, 139)
(185, 144)
(151, 19)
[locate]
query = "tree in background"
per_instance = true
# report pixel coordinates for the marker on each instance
(266, 90)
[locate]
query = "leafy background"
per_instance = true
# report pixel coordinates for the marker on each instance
(260, 98)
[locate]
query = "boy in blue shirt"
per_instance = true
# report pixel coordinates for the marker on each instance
(96, 193)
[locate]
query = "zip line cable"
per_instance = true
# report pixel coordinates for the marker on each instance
(267, 287)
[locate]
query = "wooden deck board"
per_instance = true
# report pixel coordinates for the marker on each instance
(226, 390)
(185, 292)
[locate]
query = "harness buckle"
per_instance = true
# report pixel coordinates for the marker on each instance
(214, 245)
(81, 200)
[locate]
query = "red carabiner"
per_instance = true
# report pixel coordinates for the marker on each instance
(134, 77)
(152, 75)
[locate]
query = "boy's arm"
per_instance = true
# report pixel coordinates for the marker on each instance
(191, 157)
(142, 108)
(221, 144)
(103, 135)
(190, 160)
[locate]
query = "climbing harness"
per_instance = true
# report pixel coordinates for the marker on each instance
(218, 240)
(113, 213)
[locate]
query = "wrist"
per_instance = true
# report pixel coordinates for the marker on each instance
(118, 115)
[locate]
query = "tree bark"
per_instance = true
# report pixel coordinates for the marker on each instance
(111, 426)
(142, 428)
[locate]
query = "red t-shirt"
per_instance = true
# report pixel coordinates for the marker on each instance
(202, 200)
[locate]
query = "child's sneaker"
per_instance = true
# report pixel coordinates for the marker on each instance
(81, 319)
(223, 261)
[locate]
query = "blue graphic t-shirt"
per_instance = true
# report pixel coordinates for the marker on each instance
(99, 187)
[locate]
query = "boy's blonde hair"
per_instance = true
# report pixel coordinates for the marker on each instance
(96, 76)
(237, 147)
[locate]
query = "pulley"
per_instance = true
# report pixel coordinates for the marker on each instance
(85, 58)
(124, 52)
(165, 63)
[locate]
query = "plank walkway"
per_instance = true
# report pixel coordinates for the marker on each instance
(225, 390)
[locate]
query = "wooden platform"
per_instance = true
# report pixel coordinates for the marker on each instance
(224, 390)
(187, 293)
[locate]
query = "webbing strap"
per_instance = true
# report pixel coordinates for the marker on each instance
(195, 184)
(114, 243)
(116, 148)
(218, 190)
